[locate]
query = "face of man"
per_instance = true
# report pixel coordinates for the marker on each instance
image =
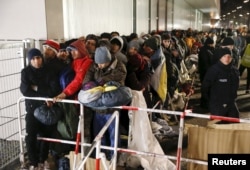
(91, 46)
(148, 51)
(226, 59)
(75, 54)
(36, 61)
(114, 48)
(132, 51)
(49, 53)
(166, 43)
(103, 65)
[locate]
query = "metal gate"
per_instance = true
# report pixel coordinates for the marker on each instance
(12, 60)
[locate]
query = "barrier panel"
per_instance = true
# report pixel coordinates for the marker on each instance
(96, 142)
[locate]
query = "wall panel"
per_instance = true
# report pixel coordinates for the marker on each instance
(142, 19)
(82, 17)
(162, 14)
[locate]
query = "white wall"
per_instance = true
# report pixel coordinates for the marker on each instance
(180, 15)
(35, 19)
(66, 19)
(22, 19)
(142, 9)
(95, 16)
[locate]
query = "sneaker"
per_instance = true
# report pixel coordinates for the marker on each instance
(40, 166)
(46, 165)
(33, 168)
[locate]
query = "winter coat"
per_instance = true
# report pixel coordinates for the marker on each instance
(116, 71)
(205, 60)
(47, 85)
(80, 66)
(138, 73)
(119, 55)
(220, 84)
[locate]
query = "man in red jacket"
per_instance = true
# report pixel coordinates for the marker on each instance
(80, 65)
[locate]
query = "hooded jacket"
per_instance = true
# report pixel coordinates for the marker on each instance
(119, 55)
(80, 67)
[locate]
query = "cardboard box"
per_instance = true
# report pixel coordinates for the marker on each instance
(217, 138)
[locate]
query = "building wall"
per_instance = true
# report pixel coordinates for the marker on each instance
(66, 19)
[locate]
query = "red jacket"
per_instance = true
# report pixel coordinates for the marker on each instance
(80, 66)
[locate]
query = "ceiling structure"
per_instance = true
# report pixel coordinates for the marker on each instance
(229, 13)
(211, 7)
(235, 12)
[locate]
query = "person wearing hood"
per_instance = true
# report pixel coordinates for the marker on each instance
(138, 70)
(220, 86)
(116, 49)
(158, 80)
(37, 81)
(80, 64)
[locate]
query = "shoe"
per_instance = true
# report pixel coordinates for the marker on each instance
(44, 166)
(33, 168)
(40, 166)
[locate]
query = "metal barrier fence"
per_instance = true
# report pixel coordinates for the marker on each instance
(11, 62)
(96, 143)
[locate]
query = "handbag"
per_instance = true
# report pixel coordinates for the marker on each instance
(48, 115)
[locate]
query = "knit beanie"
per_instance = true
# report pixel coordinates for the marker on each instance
(227, 41)
(224, 51)
(52, 44)
(135, 44)
(209, 41)
(34, 52)
(102, 55)
(151, 43)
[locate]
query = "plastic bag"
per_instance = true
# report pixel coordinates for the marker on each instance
(141, 138)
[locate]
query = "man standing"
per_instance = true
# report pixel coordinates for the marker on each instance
(220, 86)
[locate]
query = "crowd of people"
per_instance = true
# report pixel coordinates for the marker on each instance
(159, 64)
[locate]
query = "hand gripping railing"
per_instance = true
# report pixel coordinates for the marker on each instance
(79, 137)
(96, 143)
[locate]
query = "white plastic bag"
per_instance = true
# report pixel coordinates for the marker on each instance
(142, 139)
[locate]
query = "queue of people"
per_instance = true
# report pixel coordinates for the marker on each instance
(150, 63)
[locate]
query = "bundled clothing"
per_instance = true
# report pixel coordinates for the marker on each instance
(115, 71)
(220, 87)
